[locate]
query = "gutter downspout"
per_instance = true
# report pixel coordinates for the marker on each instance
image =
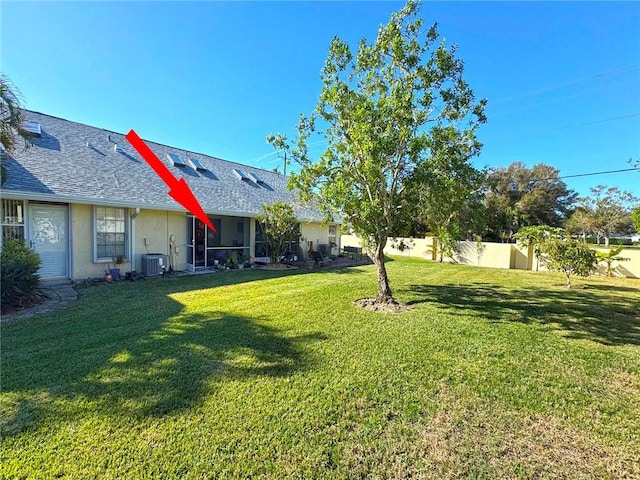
(133, 239)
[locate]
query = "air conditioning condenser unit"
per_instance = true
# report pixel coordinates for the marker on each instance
(153, 264)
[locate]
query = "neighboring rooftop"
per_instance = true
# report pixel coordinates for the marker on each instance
(77, 163)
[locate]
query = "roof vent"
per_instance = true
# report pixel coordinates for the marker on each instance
(256, 178)
(32, 128)
(117, 148)
(240, 174)
(197, 165)
(175, 159)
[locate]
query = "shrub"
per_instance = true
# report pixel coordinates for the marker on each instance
(620, 241)
(18, 267)
(569, 257)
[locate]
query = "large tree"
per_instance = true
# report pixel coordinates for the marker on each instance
(517, 196)
(383, 110)
(11, 118)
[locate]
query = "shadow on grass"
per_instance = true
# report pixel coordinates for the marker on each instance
(185, 283)
(594, 313)
(153, 362)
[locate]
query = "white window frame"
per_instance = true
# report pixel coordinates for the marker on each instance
(18, 223)
(109, 258)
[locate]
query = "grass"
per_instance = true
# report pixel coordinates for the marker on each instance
(492, 374)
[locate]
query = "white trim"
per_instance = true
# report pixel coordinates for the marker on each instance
(127, 230)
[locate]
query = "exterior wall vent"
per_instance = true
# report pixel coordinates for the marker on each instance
(176, 160)
(197, 165)
(32, 128)
(256, 178)
(240, 174)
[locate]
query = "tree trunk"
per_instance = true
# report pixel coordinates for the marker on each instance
(606, 240)
(568, 280)
(384, 290)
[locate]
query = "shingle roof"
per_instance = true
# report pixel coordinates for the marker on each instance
(76, 163)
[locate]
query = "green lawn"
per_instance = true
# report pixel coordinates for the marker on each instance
(252, 374)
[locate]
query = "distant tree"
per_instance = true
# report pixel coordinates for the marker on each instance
(580, 223)
(11, 118)
(609, 211)
(386, 111)
(569, 257)
(517, 196)
(279, 226)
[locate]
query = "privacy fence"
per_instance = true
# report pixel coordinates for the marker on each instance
(488, 254)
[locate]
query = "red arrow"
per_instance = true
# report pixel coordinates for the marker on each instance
(178, 189)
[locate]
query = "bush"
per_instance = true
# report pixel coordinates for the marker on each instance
(18, 267)
(620, 241)
(569, 257)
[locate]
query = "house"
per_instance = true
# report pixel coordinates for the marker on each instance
(80, 195)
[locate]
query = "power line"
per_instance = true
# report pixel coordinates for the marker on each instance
(564, 84)
(586, 174)
(597, 173)
(599, 121)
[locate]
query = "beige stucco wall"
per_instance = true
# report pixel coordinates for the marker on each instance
(158, 227)
(493, 255)
(155, 225)
(484, 254)
(628, 268)
(165, 232)
(82, 264)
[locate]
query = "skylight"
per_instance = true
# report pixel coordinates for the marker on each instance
(240, 174)
(197, 165)
(176, 160)
(256, 178)
(32, 128)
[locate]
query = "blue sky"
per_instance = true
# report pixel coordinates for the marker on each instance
(562, 79)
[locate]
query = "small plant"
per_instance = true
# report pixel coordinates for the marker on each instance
(117, 259)
(609, 257)
(569, 257)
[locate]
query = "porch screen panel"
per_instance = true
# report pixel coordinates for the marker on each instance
(111, 233)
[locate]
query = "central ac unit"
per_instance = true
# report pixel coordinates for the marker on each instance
(153, 264)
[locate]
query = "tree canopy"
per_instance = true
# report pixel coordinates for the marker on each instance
(607, 210)
(388, 110)
(517, 196)
(11, 118)
(279, 226)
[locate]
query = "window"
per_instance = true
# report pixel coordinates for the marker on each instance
(12, 219)
(110, 233)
